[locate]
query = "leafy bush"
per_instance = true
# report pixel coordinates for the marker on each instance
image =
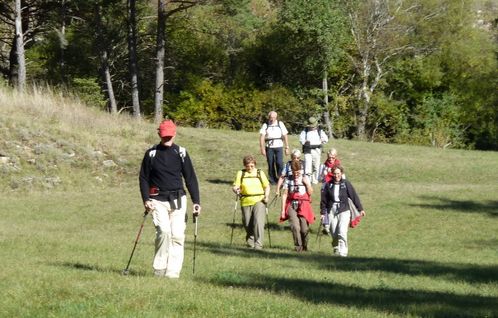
(88, 91)
(206, 104)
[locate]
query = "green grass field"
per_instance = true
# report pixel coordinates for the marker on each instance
(427, 248)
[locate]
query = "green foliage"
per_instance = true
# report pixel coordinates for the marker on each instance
(205, 104)
(229, 62)
(304, 43)
(88, 91)
(389, 119)
(438, 119)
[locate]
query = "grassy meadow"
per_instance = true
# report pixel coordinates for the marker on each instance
(70, 210)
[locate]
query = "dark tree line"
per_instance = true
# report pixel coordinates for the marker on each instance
(413, 71)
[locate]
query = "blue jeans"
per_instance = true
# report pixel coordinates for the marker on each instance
(274, 157)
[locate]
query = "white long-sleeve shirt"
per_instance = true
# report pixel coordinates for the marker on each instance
(313, 136)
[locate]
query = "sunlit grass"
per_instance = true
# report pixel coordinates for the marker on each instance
(428, 246)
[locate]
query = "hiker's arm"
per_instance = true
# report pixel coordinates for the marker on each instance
(307, 184)
(323, 137)
(286, 144)
(267, 194)
(262, 144)
(144, 178)
(191, 180)
(236, 183)
(324, 201)
(284, 201)
(354, 196)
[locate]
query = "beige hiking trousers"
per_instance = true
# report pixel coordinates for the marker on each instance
(170, 237)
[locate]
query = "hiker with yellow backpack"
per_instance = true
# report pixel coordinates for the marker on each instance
(253, 188)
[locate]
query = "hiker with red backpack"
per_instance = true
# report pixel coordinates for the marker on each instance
(272, 140)
(164, 168)
(296, 207)
(253, 188)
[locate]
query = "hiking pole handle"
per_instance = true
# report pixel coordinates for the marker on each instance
(195, 213)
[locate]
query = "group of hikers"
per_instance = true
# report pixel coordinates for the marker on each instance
(166, 165)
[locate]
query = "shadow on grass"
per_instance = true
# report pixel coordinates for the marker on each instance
(219, 181)
(95, 268)
(386, 300)
(471, 273)
(490, 207)
(273, 226)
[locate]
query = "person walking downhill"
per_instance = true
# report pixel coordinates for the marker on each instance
(163, 194)
(272, 140)
(334, 202)
(253, 187)
(312, 138)
(287, 171)
(296, 206)
(332, 161)
(326, 175)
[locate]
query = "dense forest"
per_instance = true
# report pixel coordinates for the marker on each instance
(399, 71)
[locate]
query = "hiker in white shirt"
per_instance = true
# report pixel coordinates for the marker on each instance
(272, 140)
(312, 138)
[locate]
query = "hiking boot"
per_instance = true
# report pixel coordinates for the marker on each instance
(159, 272)
(250, 242)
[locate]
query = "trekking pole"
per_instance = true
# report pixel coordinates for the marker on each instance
(196, 222)
(273, 200)
(268, 226)
(233, 222)
(126, 270)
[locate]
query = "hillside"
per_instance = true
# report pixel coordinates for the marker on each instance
(48, 141)
(70, 209)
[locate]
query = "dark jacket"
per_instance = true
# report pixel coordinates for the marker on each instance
(164, 167)
(345, 190)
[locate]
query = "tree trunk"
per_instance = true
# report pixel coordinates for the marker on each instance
(160, 53)
(364, 100)
(113, 107)
(19, 43)
(326, 113)
(13, 65)
(104, 60)
(132, 50)
(63, 42)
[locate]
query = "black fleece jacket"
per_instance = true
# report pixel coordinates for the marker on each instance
(165, 170)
